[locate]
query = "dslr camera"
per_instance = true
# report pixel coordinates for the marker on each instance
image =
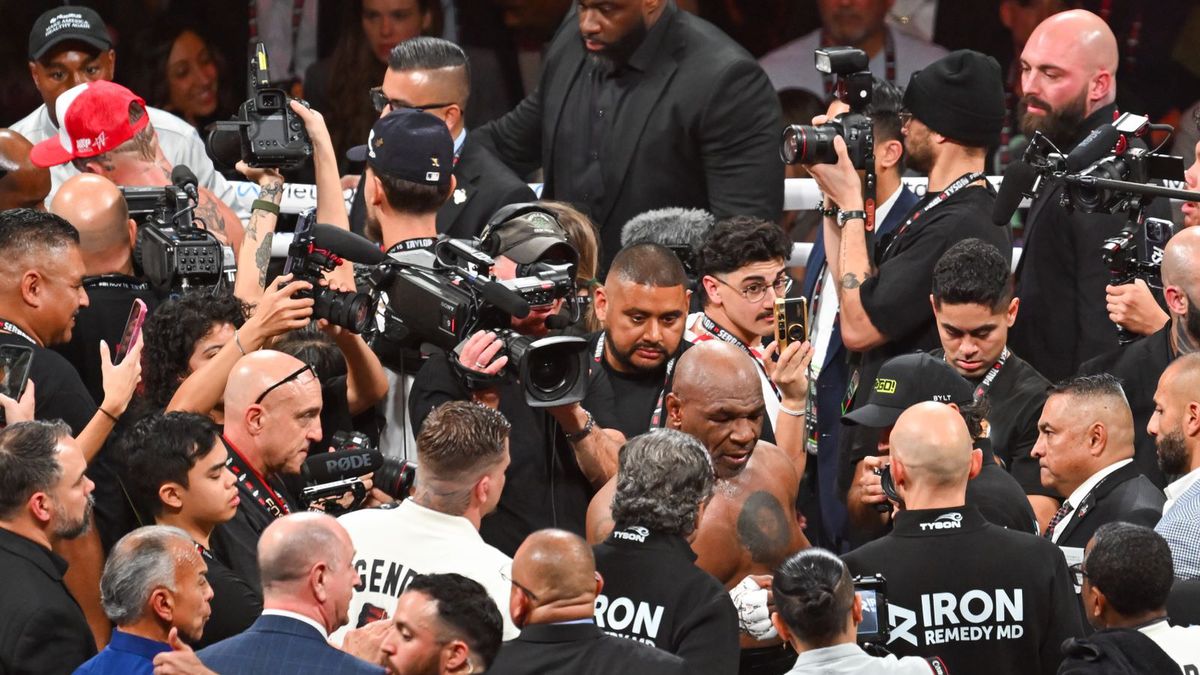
(330, 476)
(265, 133)
(170, 251)
(307, 261)
(808, 144)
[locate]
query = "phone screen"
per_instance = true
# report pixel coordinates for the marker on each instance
(14, 369)
(870, 612)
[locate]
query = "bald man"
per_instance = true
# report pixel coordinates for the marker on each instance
(1069, 81)
(1085, 449)
(1138, 365)
(307, 563)
(983, 598)
(22, 185)
(750, 526)
(1175, 428)
(554, 589)
(272, 413)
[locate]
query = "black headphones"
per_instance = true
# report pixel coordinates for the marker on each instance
(491, 245)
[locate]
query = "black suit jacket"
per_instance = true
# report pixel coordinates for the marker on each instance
(484, 185)
(700, 128)
(580, 649)
(42, 629)
(1124, 495)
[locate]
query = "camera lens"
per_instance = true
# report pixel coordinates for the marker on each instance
(807, 144)
(351, 311)
(547, 374)
(395, 478)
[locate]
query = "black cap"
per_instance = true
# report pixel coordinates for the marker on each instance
(960, 96)
(905, 381)
(61, 24)
(532, 235)
(409, 144)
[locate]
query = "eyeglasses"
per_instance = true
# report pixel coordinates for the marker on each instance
(289, 378)
(757, 290)
(1077, 573)
(905, 117)
(507, 576)
(381, 101)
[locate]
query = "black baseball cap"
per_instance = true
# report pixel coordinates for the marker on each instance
(530, 236)
(68, 23)
(409, 144)
(905, 381)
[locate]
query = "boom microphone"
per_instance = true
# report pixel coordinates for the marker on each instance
(1092, 148)
(669, 227)
(328, 467)
(346, 244)
(1018, 180)
(183, 178)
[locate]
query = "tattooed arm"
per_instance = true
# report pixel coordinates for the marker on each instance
(331, 208)
(260, 230)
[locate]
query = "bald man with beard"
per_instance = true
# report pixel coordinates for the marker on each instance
(1069, 81)
(984, 599)
(750, 526)
(22, 185)
(553, 598)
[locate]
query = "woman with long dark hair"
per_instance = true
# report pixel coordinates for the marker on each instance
(176, 68)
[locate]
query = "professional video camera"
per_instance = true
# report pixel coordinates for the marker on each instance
(307, 261)
(266, 132)
(170, 251)
(330, 476)
(807, 144)
(443, 296)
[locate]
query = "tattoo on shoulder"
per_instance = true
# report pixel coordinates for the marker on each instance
(850, 280)
(207, 212)
(763, 528)
(262, 258)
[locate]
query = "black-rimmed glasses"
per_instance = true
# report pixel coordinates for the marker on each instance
(381, 101)
(905, 117)
(1077, 573)
(756, 291)
(289, 378)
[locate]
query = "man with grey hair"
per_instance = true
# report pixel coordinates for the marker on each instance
(45, 499)
(462, 451)
(153, 589)
(664, 480)
(1085, 449)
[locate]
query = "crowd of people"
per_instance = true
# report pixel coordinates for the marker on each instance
(512, 397)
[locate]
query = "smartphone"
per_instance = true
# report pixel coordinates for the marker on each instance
(133, 329)
(872, 592)
(791, 321)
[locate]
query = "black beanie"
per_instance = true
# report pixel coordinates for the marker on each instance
(960, 96)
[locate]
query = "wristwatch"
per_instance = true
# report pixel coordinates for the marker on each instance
(844, 216)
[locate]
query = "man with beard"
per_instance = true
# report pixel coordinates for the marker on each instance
(631, 86)
(1068, 76)
(717, 398)
(1175, 427)
(45, 499)
(955, 109)
(1138, 365)
(442, 623)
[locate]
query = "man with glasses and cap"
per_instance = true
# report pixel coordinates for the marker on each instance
(272, 414)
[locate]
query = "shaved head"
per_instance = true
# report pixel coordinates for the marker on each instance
(1068, 71)
(557, 566)
(712, 369)
(1079, 36)
(292, 545)
(96, 207)
(931, 440)
(1179, 261)
(22, 185)
(252, 375)
(273, 411)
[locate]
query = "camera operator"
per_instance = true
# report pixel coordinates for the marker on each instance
(462, 452)
(1139, 365)
(955, 109)
(1006, 611)
(106, 130)
(22, 185)
(818, 612)
(1068, 76)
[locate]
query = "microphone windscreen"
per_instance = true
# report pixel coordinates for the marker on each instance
(669, 227)
(1018, 180)
(346, 244)
(329, 467)
(508, 301)
(1094, 147)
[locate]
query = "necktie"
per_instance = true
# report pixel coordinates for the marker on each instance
(1058, 516)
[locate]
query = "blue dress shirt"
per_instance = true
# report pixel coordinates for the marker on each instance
(125, 655)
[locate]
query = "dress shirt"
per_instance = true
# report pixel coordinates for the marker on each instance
(1176, 489)
(126, 654)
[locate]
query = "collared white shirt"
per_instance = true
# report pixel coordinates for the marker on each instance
(1181, 643)
(1176, 489)
(1082, 491)
(299, 617)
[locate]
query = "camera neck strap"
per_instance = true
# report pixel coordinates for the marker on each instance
(943, 196)
(10, 327)
(889, 60)
(254, 482)
(297, 19)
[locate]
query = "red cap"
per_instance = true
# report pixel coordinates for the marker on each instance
(93, 119)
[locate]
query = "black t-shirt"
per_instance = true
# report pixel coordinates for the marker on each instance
(985, 599)
(58, 391)
(674, 605)
(235, 603)
(544, 485)
(1015, 402)
(622, 401)
(998, 496)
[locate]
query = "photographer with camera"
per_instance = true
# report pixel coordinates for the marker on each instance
(1004, 611)
(818, 612)
(463, 453)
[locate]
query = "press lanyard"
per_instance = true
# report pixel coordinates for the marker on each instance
(986, 384)
(13, 328)
(716, 330)
(418, 244)
(962, 182)
(259, 488)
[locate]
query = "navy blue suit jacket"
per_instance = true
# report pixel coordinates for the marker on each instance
(831, 386)
(279, 645)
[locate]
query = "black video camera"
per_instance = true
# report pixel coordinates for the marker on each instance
(808, 144)
(442, 296)
(170, 251)
(307, 261)
(332, 475)
(266, 132)
(872, 592)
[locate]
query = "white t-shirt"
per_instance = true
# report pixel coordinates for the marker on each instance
(1181, 643)
(393, 545)
(791, 66)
